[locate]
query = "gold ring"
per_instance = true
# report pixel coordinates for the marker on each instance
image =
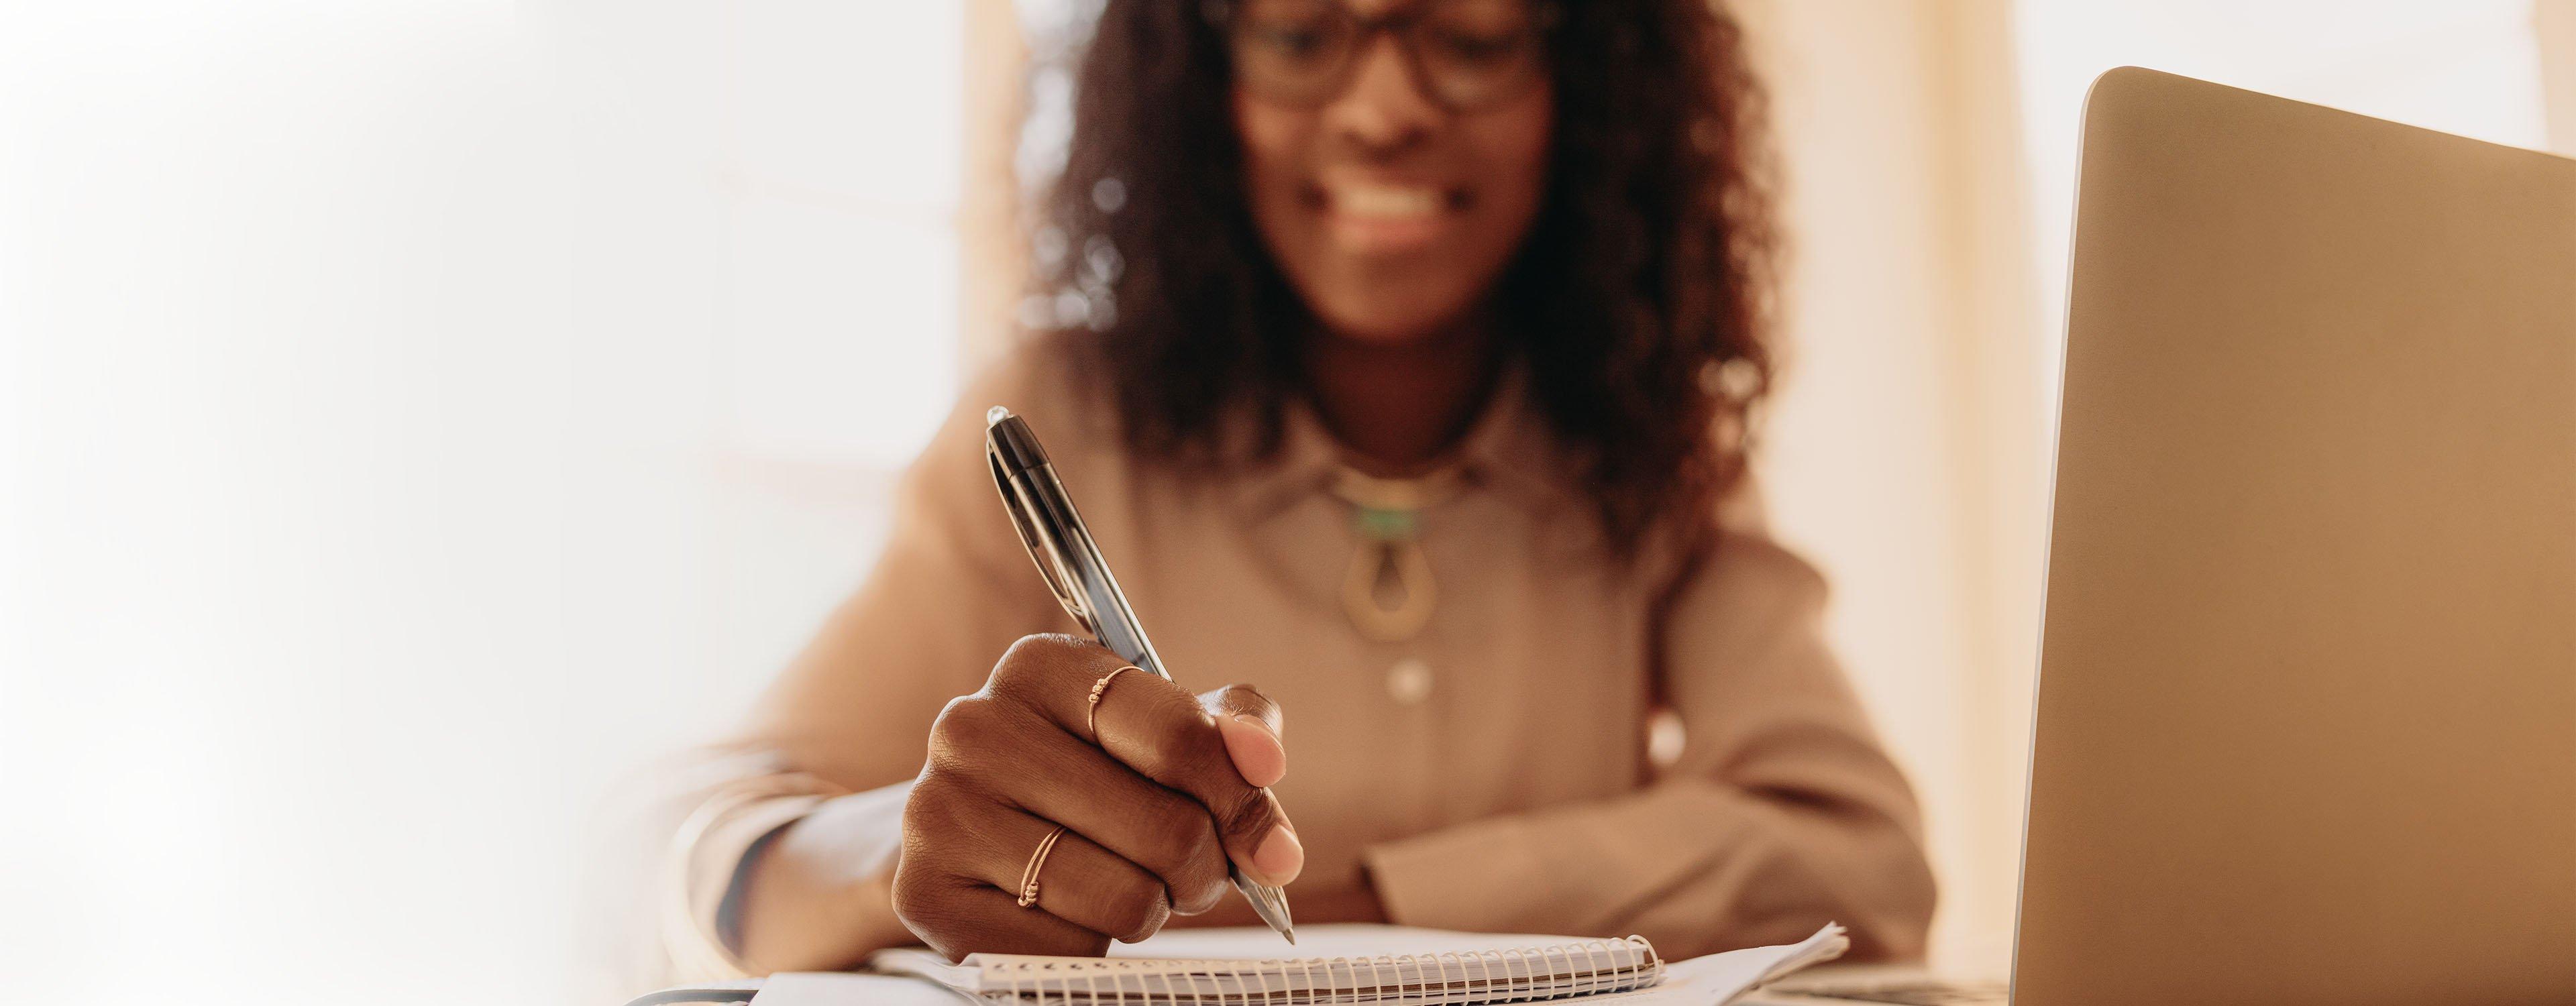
(1091, 715)
(1029, 877)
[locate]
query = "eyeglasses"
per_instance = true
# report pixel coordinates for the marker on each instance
(1463, 54)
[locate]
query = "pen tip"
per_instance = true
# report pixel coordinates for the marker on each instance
(1291, 934)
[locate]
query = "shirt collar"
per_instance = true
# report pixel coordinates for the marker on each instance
(1507, 451)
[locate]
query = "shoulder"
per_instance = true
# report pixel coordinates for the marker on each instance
(1754, 567)
(1744, 579)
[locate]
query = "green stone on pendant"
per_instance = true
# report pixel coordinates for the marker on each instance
(1386, 525)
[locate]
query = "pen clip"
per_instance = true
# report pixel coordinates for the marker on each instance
(1044, 550)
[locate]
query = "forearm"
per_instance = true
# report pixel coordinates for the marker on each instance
(1695, 865)
(818, 895)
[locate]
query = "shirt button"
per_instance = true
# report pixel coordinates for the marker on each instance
(1409, 681)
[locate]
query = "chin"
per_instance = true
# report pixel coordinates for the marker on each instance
(1381, 332)
(1391, 321)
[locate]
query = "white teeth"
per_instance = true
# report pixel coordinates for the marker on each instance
(1386, 201)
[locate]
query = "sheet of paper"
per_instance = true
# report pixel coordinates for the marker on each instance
(1722, 978)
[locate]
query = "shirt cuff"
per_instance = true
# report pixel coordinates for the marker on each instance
(706, 855)
(1472, 877)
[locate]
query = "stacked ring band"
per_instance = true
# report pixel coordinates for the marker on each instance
(1091, 714)
(1029, 877)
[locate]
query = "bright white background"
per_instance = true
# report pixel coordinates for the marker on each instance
(412, 417)
(415, 416)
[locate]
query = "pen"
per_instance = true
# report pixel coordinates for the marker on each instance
(1080, 579)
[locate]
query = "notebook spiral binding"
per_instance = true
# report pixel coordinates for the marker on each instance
(1462, 979)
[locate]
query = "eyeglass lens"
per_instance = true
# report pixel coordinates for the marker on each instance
(1463, 53)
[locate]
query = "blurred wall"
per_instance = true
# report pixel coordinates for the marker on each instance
(1905, 452)
(2554, 24)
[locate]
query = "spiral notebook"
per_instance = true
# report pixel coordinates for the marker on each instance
(1363, 964)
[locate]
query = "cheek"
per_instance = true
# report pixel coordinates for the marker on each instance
(1273, 142)
(1516, 149)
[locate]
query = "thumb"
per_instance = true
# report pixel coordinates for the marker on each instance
(1251, 725)
(1256, 833)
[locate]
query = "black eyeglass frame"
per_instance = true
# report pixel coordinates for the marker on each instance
(1547, 15)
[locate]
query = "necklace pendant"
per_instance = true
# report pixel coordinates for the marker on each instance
(1415, 595)
(1388, 591)
(1386, 523)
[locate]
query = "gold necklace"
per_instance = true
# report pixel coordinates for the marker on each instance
(1387, 518)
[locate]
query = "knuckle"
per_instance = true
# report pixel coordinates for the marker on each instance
(1036, 653)
(1185, 853)
(949, 826)
(1182, 738)
(932, 816)
(925, 805)
(1138, 911)
(960, 715)
(916, 898)
(950, 939)
(933, 906)
(1199, 892)
(1038, 664)
(967, 727)
(907, 886)
(1181, 836)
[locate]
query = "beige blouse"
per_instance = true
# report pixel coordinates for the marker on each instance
(1490, 773)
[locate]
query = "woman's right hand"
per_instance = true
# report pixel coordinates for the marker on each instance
(1154, 808)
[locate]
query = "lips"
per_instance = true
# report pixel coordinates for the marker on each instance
(1389, 202)
(1371, 217)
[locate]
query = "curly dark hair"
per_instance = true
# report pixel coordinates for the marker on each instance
(1639, 299)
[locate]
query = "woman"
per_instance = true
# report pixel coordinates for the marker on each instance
(1414, 344)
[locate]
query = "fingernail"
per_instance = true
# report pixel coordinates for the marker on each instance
(1248, 718)
(1280, 856)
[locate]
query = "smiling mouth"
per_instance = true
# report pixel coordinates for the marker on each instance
(1369, 217)
(1386, 201)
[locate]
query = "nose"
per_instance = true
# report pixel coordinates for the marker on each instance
(1383, 111)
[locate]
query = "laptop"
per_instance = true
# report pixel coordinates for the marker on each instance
(2307, 699)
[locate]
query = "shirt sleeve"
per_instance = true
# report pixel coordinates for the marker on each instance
(952, 590)
(1781, 814)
